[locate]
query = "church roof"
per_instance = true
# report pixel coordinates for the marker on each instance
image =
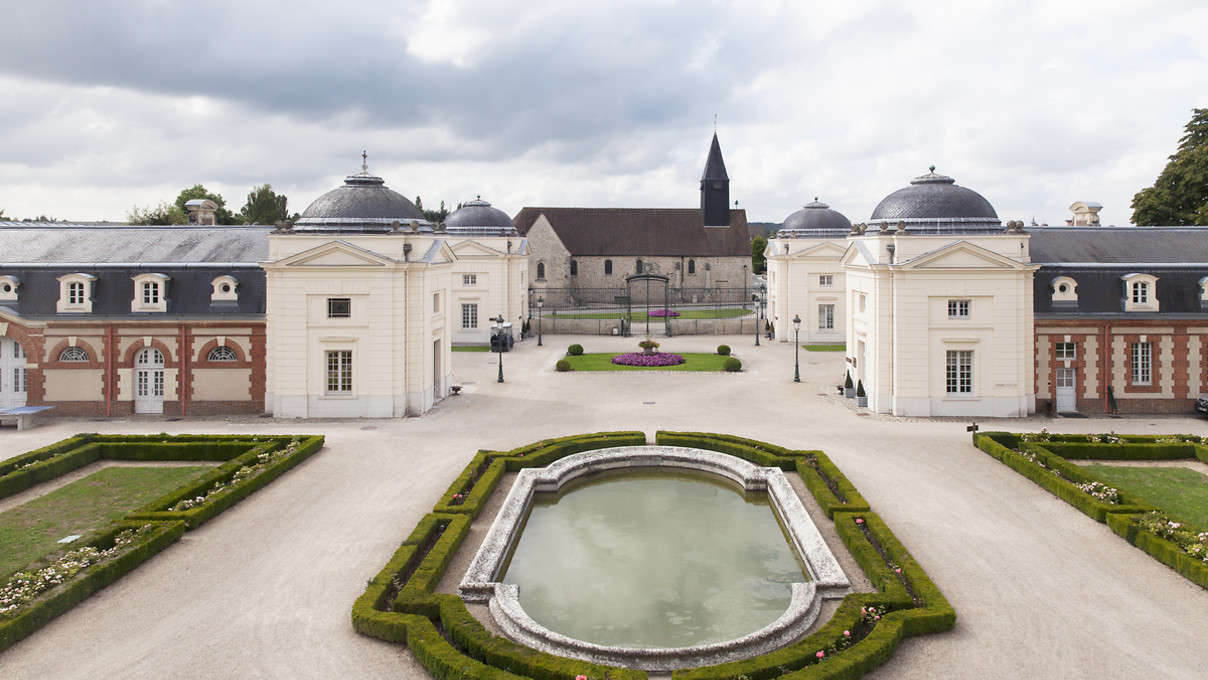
(715, 167)
(641, 232)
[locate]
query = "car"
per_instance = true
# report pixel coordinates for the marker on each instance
(1201, 404)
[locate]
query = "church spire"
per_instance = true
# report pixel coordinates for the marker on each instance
(715, 189)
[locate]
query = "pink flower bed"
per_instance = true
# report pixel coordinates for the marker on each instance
(663, 312)
(656, 359)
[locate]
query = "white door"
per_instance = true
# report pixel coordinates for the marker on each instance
(149, 381)
(12, 373)
(1067, 400)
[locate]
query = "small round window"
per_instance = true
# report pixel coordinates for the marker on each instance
(1063, 288)
(226, 288)
(8, 288)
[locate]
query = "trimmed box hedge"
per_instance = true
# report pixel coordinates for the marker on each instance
(1053, 451)
(399, 604)
(237, 452)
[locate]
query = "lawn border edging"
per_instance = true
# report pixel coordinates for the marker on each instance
(1121, 518)
(166, 526)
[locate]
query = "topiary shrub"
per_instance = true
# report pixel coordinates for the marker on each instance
(575, 350)
(732, 365)
(723, 350)
(563, 366)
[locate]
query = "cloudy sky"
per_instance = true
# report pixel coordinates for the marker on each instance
(108, 104)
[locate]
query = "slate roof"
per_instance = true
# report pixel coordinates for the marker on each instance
(639, 232)
(1104, 245)
(363, 203)
(815, 219)
(715, 167)
(934, 203)
(40, 242)
(39, 253)
(1097, 258)
(478, 217)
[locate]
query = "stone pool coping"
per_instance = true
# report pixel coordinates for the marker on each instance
(827, 579)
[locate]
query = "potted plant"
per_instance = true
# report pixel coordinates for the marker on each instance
(861, 397)
(849, 388)
(648, 346)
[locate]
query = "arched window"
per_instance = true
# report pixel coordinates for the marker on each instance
(574, 268)
(607, 267)
(638, 266)
(540, 271)
(691, 266)
(222, 353)
(73, 355)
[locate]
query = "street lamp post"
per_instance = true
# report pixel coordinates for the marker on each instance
(796, 350)
(499, 344)
(757, 303)
(540, 303)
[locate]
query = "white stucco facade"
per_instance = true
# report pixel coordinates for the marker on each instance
(357, 325)
(942, 325)
(806, 279)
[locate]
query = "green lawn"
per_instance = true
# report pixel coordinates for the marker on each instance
(603, 362)
(471, 348)
(32, 530)
(825, 348)
(640, 315)
(1182, 491)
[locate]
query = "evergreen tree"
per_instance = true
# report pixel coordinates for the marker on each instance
(164, 213)
(759, 263)
(1179, 197)
(264, 206)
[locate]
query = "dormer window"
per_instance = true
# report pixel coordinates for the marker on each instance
(150, 293)
(1140, 293)
(1204, 291)
(75, 293)
(1065, 290)
(224, 289)
(8, 288)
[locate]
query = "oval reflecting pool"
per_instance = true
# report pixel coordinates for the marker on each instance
(656, 558)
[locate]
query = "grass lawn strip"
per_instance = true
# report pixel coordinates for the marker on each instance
(1182, 492)
(32, 531)
(471, 348)
(826, 348)
(603, 362)
(1047, 460)
(39, 592)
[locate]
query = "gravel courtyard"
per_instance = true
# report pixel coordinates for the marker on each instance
(265, 590)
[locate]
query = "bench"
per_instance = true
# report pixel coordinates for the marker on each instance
(23, 416)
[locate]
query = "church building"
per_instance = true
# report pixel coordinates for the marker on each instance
(578, 251)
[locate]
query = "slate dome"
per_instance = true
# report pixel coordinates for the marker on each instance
(935, 202)
(364, 203)
(817, 218)
(478, 215)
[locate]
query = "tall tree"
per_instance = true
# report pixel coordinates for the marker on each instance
(221, 215)
(432, 215)
(164, 213)
(759, 263)
(1179, 197)
(264, 206)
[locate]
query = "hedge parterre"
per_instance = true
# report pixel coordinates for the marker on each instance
(1045, 458)
(32, 598)
(400, 604)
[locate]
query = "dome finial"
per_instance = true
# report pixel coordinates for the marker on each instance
(931, 167)
(364, 161)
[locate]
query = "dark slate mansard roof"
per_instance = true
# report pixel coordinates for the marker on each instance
(641, 232)
(1097, 258)
(39, 253)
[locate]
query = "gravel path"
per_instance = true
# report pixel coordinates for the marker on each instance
(265, 590)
